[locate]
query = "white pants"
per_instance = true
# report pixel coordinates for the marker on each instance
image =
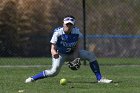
(57, 63)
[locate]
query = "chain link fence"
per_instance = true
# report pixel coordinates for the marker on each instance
(26, 26)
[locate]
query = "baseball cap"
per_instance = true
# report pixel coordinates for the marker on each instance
(69, 20)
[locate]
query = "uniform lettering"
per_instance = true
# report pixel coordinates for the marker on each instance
(72, 44)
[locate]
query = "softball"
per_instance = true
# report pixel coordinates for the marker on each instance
(63, 81)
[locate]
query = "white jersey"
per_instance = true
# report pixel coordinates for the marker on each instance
(66, 43)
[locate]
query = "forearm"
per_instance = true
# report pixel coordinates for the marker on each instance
(54, 52)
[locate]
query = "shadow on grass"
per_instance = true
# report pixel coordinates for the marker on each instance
(91, 82)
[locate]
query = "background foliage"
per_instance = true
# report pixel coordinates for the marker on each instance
(26, 25)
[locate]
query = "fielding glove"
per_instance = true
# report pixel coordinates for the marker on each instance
(75, 64)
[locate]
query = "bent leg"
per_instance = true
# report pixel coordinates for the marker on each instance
(56, 66)
(95, 68)
(93, 62)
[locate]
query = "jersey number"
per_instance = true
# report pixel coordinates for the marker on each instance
(68, 49)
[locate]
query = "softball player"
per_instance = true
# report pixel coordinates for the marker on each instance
(65, 43)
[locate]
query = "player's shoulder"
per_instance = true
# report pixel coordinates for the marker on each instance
(76, 30)
(58, 29)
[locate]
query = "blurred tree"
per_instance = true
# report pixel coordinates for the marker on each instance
(8, 29)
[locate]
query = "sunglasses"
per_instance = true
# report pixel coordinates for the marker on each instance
(69, 19)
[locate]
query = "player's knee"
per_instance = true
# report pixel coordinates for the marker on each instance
(90, 56)
(51, 73)
(54, 73)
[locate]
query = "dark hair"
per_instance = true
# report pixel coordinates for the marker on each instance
(70, 16)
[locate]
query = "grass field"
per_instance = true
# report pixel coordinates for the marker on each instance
(124, 73)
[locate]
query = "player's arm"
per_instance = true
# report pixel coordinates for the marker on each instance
(53, 41)
(77, 48)
(54, 51)
(80, 40)
(80, 44)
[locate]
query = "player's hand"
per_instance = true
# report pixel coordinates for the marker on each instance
(56, 56)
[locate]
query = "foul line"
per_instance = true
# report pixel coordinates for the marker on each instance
(21, 66)
(37, 66)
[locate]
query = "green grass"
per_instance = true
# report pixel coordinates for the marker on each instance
(46, 61)
(125, 76)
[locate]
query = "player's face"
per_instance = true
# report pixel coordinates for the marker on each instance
(67, 27)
